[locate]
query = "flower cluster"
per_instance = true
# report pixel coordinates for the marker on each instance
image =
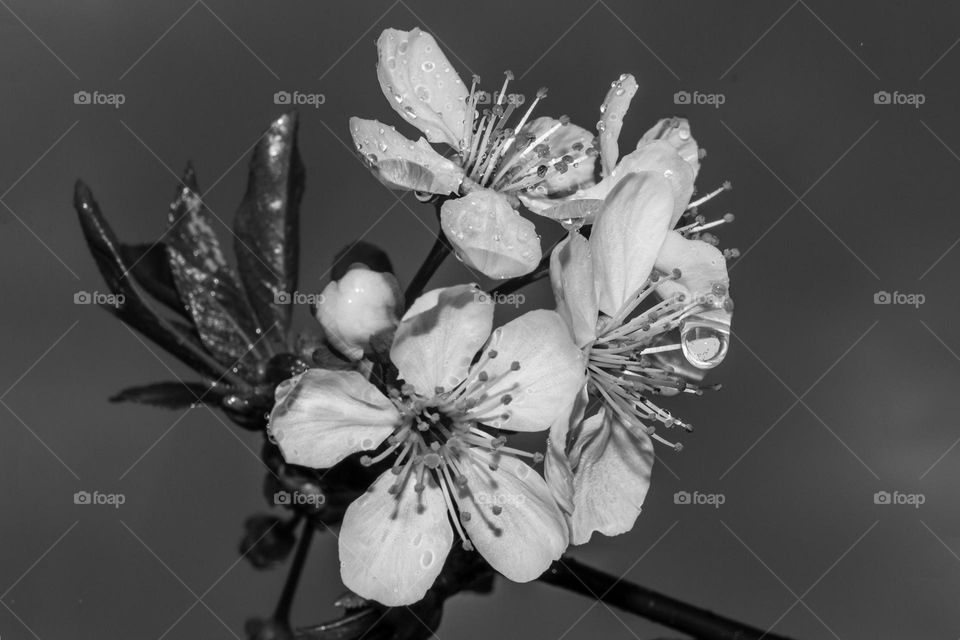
(432, 391)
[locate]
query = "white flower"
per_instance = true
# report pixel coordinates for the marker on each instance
(492, 160)
(667, 149)
(360, 306)
(600, 467)
(448, 473)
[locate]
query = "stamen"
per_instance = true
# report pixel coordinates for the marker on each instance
(726, 186)
(564, 120)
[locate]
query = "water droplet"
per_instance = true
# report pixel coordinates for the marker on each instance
(427, 559)
(423, 93)
(705, 339)
(428, 66)
(417, 539)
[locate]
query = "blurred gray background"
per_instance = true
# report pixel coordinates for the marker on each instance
(828, 398)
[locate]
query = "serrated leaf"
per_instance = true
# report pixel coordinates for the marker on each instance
(134, 311)
(172, 395)
(208, 286)
(266, 228)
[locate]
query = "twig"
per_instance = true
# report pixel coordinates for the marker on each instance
(569, 574)
(281, 614)
(438, 253)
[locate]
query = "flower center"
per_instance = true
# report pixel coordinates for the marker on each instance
(625, 362)
(436, 435)
(508, 159)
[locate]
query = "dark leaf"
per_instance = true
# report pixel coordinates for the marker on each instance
(266, 238)
(362, 252)
(134, 311)
(150, 267)
(172, 395)
(375, 622)
(352, 626)
(207, 284)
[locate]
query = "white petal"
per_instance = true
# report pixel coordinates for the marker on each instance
(356, 308)
(490, 236)
(705, 333)
(572, 279)
(656, 157)
(614, 462)
(401, 163)
(528, 534)
(551, 371)
(627, 235)
(557, 466)
(392, 547)
(438, 337)
(421, 85)
(614, 108)
(703, 269)
(320, 417)
(676, 132)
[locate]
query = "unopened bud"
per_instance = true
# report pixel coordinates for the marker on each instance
(358, 307)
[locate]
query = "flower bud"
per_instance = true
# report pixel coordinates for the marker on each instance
(358, 307)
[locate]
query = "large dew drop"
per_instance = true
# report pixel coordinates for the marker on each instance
(705, 339)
